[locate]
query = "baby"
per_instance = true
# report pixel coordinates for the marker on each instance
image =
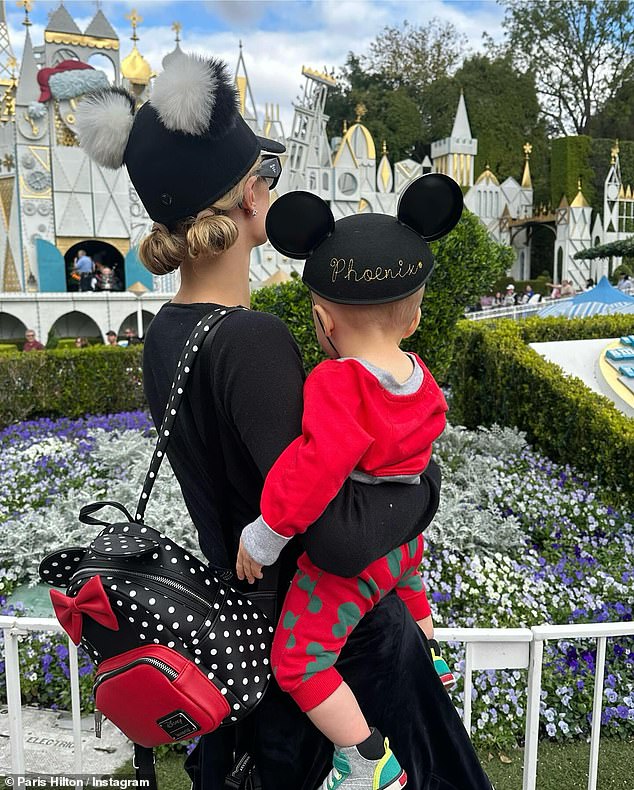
(371, 412)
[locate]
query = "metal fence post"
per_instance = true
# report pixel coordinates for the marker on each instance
(597, 706)
(14, 696)
(532, 714)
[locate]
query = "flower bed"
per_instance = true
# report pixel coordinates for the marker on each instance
(517, 541)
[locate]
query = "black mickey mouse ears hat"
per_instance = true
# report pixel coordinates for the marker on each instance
(366, 258)
(184, 148)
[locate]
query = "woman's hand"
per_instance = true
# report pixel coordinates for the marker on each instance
(246, 566)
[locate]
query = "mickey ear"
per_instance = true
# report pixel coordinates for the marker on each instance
(57, 568)
(297, 223)
(431, 205)
(104, 121)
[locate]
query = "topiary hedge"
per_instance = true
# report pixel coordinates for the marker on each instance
(70, 383)
(497, 378)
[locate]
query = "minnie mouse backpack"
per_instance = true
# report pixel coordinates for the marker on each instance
(178, 650)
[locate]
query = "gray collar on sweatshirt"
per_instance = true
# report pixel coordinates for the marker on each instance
(387, 380)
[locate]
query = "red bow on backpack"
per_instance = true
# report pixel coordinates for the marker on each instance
(91, 600)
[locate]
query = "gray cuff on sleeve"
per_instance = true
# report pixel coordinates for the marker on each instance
(262, 543)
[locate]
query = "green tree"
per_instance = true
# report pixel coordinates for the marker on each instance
(412, 57)
(616, 118)
(581, 52)
(391, 114)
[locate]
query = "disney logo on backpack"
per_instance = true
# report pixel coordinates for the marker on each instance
(178, 650)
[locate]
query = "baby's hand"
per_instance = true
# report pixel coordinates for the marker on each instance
(246, 566)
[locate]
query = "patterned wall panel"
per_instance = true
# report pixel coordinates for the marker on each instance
(111, 208)
(72, 193)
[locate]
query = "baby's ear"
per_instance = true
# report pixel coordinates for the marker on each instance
(297, 223)
(431, 205)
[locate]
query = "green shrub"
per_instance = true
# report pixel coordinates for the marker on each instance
(497, 378)
(8, 348)
(65, 383)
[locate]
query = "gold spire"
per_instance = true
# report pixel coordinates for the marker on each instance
(384, 151)
(177, 27)
(135, 20)
(27, 5)
(135, 67)
(614, 152)
(579, 201)
(360, 110)
(526, 178)
(345, 127)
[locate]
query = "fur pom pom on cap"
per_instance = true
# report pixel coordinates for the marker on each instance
(195, 96)
(104, 121)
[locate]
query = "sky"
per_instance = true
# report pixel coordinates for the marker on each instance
(278, 36)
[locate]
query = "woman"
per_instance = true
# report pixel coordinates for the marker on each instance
(203, 177)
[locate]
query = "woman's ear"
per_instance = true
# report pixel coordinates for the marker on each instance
(431, 205)
(248, 197)
(297, 223)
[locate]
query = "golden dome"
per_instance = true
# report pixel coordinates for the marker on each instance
(360, 143)
(135, 68)
(488, 177)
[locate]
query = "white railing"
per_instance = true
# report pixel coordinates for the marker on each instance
(515, 312)
(486, 648)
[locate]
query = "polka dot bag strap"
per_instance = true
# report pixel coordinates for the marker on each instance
(203, 332)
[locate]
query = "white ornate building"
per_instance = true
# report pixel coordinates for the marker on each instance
(55, 201)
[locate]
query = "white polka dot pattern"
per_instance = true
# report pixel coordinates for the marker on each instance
(161, 594)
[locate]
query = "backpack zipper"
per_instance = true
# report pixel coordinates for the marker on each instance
(164, 668)
(178, 586)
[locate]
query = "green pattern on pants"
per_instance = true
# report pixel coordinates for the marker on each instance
(368, 588)
(349, 615)
(324, 659)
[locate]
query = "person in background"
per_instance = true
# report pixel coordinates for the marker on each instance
(131, 336)
(510, 298)
(625, 284)
(589, 284)
(81, 342)
(527, 295)
(111, 338)
(84, 266)
(567, 288)
(32, 343)
(106, 279)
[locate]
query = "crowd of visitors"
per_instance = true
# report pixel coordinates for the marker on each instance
(130, 338)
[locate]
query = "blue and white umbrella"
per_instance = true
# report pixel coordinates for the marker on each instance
(603, 299)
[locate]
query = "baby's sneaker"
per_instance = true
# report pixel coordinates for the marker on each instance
(354, 771)
(441, 666)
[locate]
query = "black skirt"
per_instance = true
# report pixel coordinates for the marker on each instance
(388, 665)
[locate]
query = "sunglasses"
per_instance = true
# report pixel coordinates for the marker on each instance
(270, 170)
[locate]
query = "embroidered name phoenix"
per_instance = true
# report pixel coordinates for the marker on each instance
(346, 270)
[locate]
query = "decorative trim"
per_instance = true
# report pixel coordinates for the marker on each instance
(64, 243)
(78, 40)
